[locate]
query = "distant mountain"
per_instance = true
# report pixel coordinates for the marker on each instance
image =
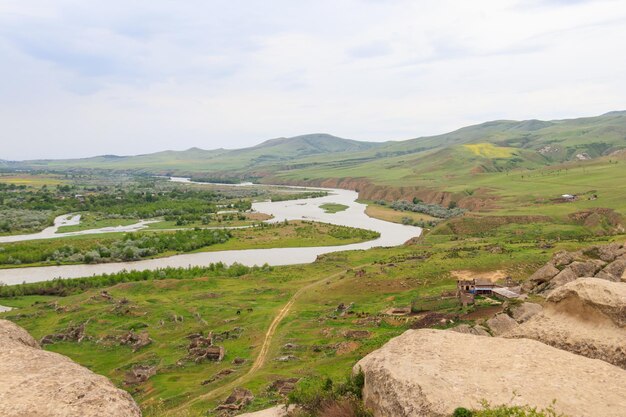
(491, 146)
(199, 160)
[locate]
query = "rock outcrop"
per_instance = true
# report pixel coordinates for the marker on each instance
(34, 382)
(431, 372)
(586, 316)
(501, 324)
(606, 262)
(278, 411)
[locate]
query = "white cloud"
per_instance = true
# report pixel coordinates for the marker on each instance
(131, 77)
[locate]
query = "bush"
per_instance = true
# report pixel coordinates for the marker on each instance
(317, 397)
(434, 210)
(514, 411)
(462, 412)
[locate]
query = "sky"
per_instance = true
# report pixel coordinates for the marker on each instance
(90, 77)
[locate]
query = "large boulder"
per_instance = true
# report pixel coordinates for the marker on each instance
(35, 382)
(613, 271)
(586, 316)
(429, 373)
(587, 268)
(525, 311)
(501, 324)
(544, 274)
(475, 330)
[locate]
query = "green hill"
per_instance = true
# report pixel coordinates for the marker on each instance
(496, 146)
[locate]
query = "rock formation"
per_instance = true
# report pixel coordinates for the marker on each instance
(278, 411)
(607, 262)
(431, 372)
(35, 382)
(501, 323)
(586, 316)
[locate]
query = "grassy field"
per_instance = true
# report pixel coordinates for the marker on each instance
(313, 331)
(32, 180)
(333, 207)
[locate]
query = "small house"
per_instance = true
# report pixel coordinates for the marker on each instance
(476, 286)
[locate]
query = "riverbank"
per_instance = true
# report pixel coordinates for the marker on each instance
(391, 234)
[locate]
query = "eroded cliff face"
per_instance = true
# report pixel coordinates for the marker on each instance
(34, 382)
(480, 198)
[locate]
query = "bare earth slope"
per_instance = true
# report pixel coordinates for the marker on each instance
(431, 372)
(586, 316)
(34, 382)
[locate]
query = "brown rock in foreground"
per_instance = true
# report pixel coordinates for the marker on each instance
(429, 373)
(34, 382)
(586, 317)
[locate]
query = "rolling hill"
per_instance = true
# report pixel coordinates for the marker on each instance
(439, 161)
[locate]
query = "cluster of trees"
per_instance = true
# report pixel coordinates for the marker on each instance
(419, 223)
(298, 196)
(63, 287)
(433, 210)
(24, 220)
(343, 232)
(27, 209)
(131, 247)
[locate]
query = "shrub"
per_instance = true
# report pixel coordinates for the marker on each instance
(462, 412)
(434, 210)
(514, 411)
(317, 397)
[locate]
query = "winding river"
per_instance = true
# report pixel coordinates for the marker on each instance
(391, 234)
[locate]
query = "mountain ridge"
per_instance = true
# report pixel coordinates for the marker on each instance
(498, 145)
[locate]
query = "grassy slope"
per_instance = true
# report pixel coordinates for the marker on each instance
(198, 160)
(312, 156)
(391, 278)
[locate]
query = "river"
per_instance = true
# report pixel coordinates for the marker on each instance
(391, 234)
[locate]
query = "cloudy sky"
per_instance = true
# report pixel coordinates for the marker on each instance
(88, 77)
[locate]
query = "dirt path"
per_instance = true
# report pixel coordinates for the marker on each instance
(267, 342)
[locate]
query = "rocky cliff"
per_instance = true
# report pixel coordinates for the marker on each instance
(586, 316)
(34, 382)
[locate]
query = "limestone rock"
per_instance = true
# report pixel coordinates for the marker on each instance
(587, 317)
(501, 323)
(586, 269)
(431, 372)
(35, 382)
(563, 258)
(607, 253)
(278, 411)
(238, 399)
(604, 296)
(613, 271)
(563, 277)
(525, 311)
(467, 329)
(11, 332)
(544, 274)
